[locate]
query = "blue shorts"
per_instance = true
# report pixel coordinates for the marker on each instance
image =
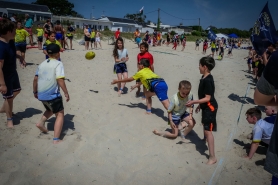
(138, 40)
(59, 36)
(213, 50)
(160, 88)
(120, 68)
(178, 121)
(249, 61)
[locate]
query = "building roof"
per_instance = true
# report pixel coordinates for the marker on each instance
(122, 20)
(24, 6)
(185, 27)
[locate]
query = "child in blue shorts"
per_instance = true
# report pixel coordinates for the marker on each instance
(121, 57)
(152, 82)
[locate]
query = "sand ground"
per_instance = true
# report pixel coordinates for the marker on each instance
(108, 139)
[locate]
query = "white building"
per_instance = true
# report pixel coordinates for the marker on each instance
(125, 25)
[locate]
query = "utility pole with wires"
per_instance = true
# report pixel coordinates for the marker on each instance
(199, 25)
(158, 20)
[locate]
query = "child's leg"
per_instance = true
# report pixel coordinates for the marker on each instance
(144, 92)
(125, 75)
(173, 135)
(119, 75)
(149, 95)
(41, 124)
(210, 139)
(58, 125)
(191, 124)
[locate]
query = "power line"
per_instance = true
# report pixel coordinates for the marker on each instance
(150, 12)
(177, 17)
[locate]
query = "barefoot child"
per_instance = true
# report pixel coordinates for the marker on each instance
(144, 53)
(249, 59)
(39, 36)
(207, 103)
(177, 112)
(121, 57)
(153, 83)
(183, 43)
(48, 80)
(9, 81)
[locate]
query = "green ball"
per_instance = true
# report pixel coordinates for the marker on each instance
(90, 55)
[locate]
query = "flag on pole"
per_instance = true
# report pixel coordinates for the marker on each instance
(211, 35)
(141, 10)
(264, 31)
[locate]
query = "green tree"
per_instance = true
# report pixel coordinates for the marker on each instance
(59, 7)
(137, 17)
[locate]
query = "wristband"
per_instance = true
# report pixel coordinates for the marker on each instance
(35, 92)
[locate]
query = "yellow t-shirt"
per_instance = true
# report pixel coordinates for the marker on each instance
(39, 32)
(93, 34)
(213, 45)
(21, 35)
(146, 76)
(47, 42)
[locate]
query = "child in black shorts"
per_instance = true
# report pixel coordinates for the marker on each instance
(9, 80)
(47, 82)
(207, 103)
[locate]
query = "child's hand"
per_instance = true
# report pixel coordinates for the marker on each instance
(197, 109)
(133, 87)
(3, 89)
(114, 82)
(67, 97)
(126, 59)
(172, 124)
(123, 59)
(189, 103)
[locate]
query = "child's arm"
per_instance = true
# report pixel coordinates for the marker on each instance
(62, 84)
(130, 79)
(170, 120)
(35, 87)
(135, 86)
(3, 87)
(203, 100)
(44, 51)
(21, 59)
(254, 147)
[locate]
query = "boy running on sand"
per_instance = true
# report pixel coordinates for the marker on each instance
(153, 83)
(9, 81)
(177, 112)
(49, 78)
(207, 103)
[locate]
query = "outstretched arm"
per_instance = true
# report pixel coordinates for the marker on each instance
(130, 79)
(62, 84)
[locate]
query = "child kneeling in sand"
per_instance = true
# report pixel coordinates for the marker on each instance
(262, 130)
(48, 79)
(177, 112)
(152, 82)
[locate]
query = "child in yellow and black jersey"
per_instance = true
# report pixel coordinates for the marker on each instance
(51, 40)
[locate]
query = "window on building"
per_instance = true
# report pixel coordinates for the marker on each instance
(99, 27)
(106, 28)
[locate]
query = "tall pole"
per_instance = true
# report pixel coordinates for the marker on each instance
(199, 25)
(93, 7)
(158, 20)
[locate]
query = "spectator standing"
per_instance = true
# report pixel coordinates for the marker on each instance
(28, 27)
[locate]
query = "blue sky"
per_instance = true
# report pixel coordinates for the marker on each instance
(222, 14)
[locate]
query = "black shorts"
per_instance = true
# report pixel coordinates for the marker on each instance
(120, 68)
(216, 49)
(221, 49)
(87, 38)
(209, 119)
(21, 48)
(93, 40)
(12, 84)
(55, 105)
(40, 39)
(253, 65)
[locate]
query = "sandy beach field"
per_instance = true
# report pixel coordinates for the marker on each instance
(108, 139)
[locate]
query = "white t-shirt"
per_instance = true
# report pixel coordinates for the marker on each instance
(122, 53)
(48, 72)
(262, 131)
(177, 105)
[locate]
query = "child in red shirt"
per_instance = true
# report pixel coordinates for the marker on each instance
(144, 47)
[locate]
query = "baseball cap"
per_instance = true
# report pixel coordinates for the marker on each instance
(52, 49)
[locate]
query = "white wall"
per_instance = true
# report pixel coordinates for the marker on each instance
(143, 30)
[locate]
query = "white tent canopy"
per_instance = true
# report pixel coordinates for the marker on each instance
(220, 35)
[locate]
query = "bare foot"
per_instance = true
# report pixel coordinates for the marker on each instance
(42, 128)
(212, 160)
(10, 124)
(57, 141)
(119, 93)
(156, 132)
(143, 98)
(148, 113)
